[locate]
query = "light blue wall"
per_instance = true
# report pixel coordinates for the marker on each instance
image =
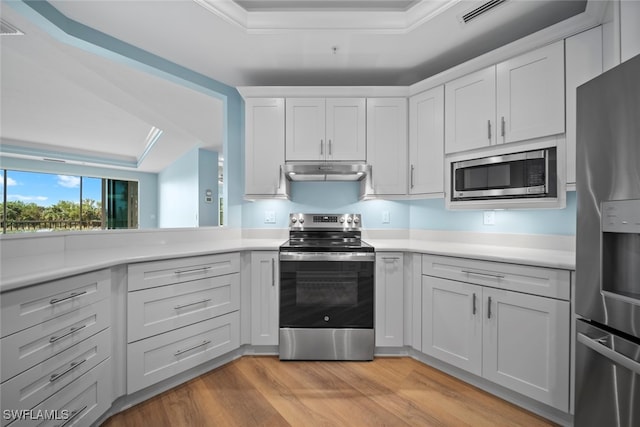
(178, 193)
(147, 182)
(432, 215)
(76, 34)
(428, 214)
(207, 180)
(325, 197)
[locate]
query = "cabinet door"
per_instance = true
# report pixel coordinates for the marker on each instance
(387, 144)
(531, 94)
(305, 129)
(264, 153)
(426, 142)
(470, 111)
(264, 298)
(345, 129)
(583, 62)
(526, 345)
(389, 327)
(452, 322)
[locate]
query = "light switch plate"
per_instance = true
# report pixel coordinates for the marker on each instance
(386, 218)
(269, 217)
(489, 218)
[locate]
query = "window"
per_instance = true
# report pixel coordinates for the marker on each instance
(33, 201)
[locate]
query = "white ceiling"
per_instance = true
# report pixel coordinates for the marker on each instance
(59, 98)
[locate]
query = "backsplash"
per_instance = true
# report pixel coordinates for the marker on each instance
(425, 214)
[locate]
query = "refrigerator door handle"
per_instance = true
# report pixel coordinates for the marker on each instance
(597, 346)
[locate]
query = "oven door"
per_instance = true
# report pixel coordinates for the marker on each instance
(326, 290)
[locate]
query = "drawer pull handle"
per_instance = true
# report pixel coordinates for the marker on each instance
(178, 307)
(71, 367)
(72, 415)
(192, 270)
(71, 331)
(474, 303)
(203, 343)
(495, 276)
(72, 295)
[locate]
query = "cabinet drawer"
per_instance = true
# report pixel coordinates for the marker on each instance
(547, 282)
(79, 404)
(160, 273)
(26, 307)
(157, 358)
(158, 310)
(31, 387)
(27, 348)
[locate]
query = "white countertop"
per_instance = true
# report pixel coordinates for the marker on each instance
(21, 271)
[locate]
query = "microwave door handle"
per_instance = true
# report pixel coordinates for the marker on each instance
(546, 174)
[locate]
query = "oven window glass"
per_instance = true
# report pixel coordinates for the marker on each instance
(327, 288)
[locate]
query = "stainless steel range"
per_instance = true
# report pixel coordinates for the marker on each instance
(326, 289)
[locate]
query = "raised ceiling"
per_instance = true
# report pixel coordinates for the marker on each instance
(57, 97)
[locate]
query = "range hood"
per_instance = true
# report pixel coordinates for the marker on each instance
(325, 171)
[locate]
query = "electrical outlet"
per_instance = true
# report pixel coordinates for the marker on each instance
(386, 219)
(489, 218)
(269, 217)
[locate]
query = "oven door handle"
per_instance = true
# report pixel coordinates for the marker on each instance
(328, 256)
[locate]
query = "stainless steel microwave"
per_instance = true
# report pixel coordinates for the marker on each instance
(526, 174)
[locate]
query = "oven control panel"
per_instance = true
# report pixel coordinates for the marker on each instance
(328, 221)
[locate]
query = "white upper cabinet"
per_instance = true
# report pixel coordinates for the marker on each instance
(387, 145)
(331, 129)
(583, 62)
(264, 147)
(516, 100)
(470, 111)
(531, 94)
(426, 142)
(345, 129)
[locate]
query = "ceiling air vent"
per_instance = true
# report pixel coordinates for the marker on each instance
(7, 29)
(485, 7)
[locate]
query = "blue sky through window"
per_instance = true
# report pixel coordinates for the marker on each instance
(48, 189)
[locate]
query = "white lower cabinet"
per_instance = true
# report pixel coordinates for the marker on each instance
(160, 357)
(514, 339)
(452, 322)
(56, 343)
(81, 403)
(181, 313)
(389, 297)
(265, 294)
(31, 387)
(526, 345)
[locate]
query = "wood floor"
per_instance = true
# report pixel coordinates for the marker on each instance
(262, 391)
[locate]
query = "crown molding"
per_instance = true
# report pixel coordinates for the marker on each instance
(378, 22)
(323, 91)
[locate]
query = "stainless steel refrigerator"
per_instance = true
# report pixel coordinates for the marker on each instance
(607, 293)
